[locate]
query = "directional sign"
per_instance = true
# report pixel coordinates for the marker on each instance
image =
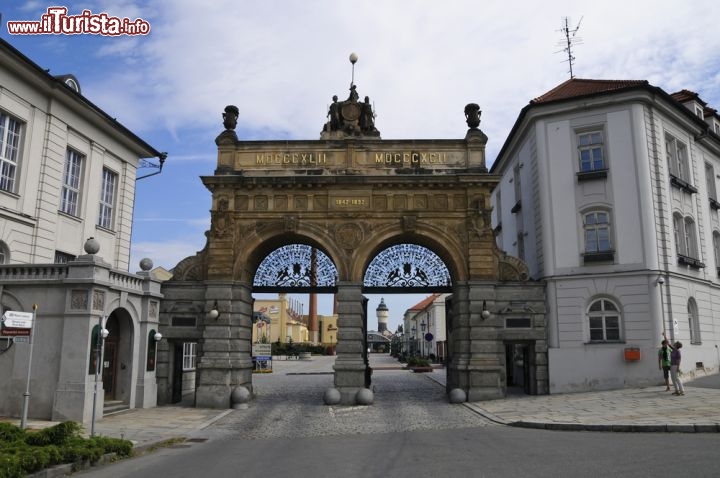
(21, 339)
(17, 320)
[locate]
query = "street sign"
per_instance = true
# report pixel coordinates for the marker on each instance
(262, 350)
(8, 332)
(429, 337)
(17, 320)
(21, 339)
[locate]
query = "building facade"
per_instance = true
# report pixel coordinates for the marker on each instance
(427, 317)
(608, 193)
(67, 187)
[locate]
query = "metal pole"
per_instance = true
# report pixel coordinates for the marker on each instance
(98, 359)
(26, 395)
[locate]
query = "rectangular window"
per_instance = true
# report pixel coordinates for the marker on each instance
(597, 232)
(521, 245)
(590, 151)
(498, 207)
(9, 151)
(710, 179)
(189, 355)
(71, 183)
(677, 157)
(518, 185)
(107, 199)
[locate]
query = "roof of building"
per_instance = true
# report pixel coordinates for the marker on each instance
(578, 87)
(52, 82)
(425, 303)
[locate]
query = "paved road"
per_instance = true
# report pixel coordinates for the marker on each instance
(410, 431)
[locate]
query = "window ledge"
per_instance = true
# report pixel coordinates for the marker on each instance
(600, 342)
(516, 207)
(605, 256)
(714, 204)
(590, 175)
(682, 184)
(690, 261)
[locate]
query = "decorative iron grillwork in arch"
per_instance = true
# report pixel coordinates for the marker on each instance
(296, 266)
(407, 266)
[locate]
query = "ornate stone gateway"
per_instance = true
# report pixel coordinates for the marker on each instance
(351, 214)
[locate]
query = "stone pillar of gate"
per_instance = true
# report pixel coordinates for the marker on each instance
(477, 362)
(350, 367)
(224, 368)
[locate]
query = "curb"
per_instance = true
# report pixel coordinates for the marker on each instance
(620, 428)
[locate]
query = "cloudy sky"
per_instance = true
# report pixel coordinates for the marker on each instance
(281, 62)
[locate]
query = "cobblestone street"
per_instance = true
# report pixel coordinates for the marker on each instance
(289, 404)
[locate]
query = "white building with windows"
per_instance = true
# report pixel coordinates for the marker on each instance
(67, 175)
(424, 328)
(608, 192)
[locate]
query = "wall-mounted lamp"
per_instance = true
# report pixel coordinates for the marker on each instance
(661, 280)
(158, 337)
(422, 326)
(214, 312)
(485, 314)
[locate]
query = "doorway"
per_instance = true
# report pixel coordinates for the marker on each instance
(520, 368)
(109, 371)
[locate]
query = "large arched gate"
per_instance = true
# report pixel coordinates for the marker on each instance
(350, 196)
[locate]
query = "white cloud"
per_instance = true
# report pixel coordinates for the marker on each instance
(420, 63)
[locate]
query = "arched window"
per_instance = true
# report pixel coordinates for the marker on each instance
(604, 321)
(693, 322)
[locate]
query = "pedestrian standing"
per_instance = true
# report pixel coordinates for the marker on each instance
(664, 362)
(675, 358)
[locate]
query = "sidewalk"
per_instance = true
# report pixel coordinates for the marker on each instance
(649, 409)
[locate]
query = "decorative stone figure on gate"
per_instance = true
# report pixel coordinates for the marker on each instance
(350, 118)
(230, 117)
(472, 115)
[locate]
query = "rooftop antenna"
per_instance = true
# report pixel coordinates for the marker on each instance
(353, 60)
(569, 40)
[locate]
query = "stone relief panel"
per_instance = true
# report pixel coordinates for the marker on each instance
(221, 222)
(379, 203)
(400, 202)
(440, 202)
(98, 300)
(301, 203)
(261, 203)
(420, 201)
(280, 202)
(349, 236)
(242, 202)
(320, 203)
(459, 202)
(153, 309)
(79, 300)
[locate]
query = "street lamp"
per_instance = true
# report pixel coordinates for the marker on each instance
(101, 336)
(422, 327)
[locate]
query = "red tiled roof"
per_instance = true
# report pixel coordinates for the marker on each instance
(424, 303)
(683, 96)
(575, 87)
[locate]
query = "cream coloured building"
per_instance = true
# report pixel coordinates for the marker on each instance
(608, 192)
(67, 188)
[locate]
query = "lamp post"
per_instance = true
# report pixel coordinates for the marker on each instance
(422, 327)
(101, 336)
(660, 282)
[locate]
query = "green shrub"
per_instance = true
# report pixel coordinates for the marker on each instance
(79, 450)
(10, 432)
(418, 362)
(10, 466)
(55, 435)
(114, 445)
